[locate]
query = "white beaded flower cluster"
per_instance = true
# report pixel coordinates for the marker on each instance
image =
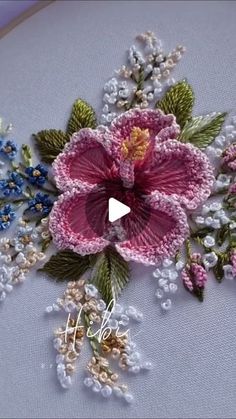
(86, 310)
(167, 275)
(18, 256)
(143, 81)
(214, 151)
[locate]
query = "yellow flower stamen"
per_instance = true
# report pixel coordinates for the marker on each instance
(36, 173)
(25, 239)
(8, 149)
(11, 185)
(5, 218)
(135, 147)
(39, 207)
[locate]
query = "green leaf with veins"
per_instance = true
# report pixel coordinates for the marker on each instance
(202, 130)
(66, 266)
(178, 100)
(26, 155)
(50, 143)
(82, 116)
(111, 274)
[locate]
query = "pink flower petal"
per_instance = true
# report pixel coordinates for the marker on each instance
(161, 126)
(85, 160)
(69, 223)
(180, 170)
(160, 233)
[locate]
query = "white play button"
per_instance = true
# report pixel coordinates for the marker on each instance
(116, 209)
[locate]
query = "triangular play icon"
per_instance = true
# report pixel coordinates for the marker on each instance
(116, 210)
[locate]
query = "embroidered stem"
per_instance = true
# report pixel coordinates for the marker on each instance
(92, 339)
(188, 248)
(94, 343)
(140, 85)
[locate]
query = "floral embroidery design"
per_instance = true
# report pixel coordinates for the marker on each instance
(176, 172)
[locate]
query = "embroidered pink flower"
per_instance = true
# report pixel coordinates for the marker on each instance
(139, 162)
(229, 157)
(194, 277)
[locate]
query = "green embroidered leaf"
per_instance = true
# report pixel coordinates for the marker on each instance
(202, 130)
(111, 275)
(50, 143)
(66, 266)
(232, 239)
(218, 270)
(222, 234)
(45, 244)
(178, 100)
(199, 293)
(26, 155)
(201, 233)
(223, 259)
(82, 116)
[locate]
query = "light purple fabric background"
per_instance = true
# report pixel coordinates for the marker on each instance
(9, 9)
(67, 50)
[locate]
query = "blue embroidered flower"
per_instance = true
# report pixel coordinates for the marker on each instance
(37, 175)
(9, 149)
(12, 185)
(7, 215)
(40, 203)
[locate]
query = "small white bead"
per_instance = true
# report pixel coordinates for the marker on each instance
(166, 273)
(88, 382)
(113, 324)
(101, 305)
(131, 311)
(132, 345)
(106, 391)
(3, 296)
(167, 263)
(117, 392)
(117, 310)
(135, 356)
(159, 293)
(48, 309)
(60, 359)
(173, 275)
(209, 241)
(162, 282)
(135, 369)
(205, 209)
(139, 317)
(216, 224)
(157, 273)
(8, 287)
(200, 220)
(57, 342)
(96, 386)
(166, 288)
(128, 398)
(66, 382)
(208, 221)
(179, 265)
(173, 288)
(225, 220)
(166, 305)
(124, 320)
(147, 365)
(215, 206)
